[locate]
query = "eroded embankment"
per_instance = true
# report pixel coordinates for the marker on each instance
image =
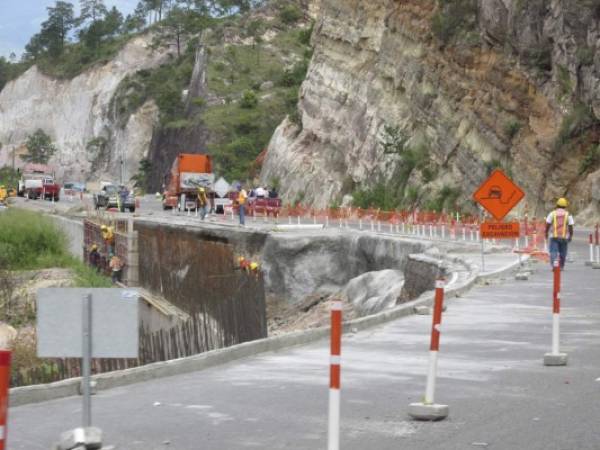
(371, 272)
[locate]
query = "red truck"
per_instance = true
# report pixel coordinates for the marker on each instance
(188, 173)
(37, 181)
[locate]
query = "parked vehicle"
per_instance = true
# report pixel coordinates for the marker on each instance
(38, 181)
(107, 198)
(188, 173)
(74, 186)
(46, 189)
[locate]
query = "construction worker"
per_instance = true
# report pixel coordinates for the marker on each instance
(202, 202)
(116, 267)
(241, 201)
(244, 263)
(560, 223)
(254, 268)
(122, 196)
(3, 194)
(108, 236)
(94, 257)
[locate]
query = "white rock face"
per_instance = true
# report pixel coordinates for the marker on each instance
(73, 112)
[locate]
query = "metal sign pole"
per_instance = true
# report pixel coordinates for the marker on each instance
(482, 255)
(482, 243)
(86, 360)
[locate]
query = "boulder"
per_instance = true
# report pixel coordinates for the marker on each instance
(373, 292)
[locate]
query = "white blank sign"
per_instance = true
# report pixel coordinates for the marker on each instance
(60, 322)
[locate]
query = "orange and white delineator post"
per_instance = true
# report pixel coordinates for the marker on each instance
(5, 360)
(591, 261)
(335, 376)
(434, 347)
(597, 244)
(555, 358)
(428, 409)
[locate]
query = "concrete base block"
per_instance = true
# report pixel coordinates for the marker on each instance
(81, 439)
(555, 360)
(422, 310)
(588, 263)
(522, 276)
(595, 265)
(93, 387)
(421, 411)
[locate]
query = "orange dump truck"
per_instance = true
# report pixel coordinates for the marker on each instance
(188, 173)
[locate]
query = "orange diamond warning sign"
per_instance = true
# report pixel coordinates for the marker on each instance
(498, 194)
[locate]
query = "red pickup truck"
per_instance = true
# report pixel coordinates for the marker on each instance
(45, 189)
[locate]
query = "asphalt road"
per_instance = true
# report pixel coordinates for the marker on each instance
(491, 375)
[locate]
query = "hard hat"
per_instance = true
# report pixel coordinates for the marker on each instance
(103, 227)
(200, 189)
(94, 247)
(562, 202)
(253, 266)
(241, 258)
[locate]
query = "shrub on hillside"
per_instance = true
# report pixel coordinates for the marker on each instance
(249, 100)
(290, 14)
(452, 18)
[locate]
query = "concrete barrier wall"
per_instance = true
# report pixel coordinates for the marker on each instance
(73, 229)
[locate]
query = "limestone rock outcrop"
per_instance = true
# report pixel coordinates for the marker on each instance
(79, 111)
(505, 95)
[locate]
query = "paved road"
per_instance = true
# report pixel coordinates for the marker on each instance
(500, 395)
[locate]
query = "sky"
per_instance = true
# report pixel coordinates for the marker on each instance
(21, 19)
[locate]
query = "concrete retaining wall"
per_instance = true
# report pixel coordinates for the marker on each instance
(73, 229)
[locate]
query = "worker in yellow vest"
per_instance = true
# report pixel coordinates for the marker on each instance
(3, 194)
(559, 224)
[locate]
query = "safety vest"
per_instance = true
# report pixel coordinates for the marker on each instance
(241, 198)
(560, 220)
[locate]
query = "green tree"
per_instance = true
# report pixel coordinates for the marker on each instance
(40, 148)
(255, 31)
(112, 22)
(56, 28)
(137, 20)
(174, 27)
(92, 10)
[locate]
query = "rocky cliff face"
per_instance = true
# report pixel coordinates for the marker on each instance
(519, 89)
(94, 141)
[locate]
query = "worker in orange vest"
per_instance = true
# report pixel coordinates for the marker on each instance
(560, 223)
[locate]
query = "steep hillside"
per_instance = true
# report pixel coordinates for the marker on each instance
(77, 114)
(219, 85)
(421, 99)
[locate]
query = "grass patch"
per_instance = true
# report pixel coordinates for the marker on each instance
(591, 160)
(31, 241)
(512, 128)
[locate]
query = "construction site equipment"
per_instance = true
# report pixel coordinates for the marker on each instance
(188, 173)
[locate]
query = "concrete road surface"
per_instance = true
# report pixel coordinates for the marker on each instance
(491, 375)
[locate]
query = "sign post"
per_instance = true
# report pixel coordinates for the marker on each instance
(498, 195)
(87, 323)
(86, 360)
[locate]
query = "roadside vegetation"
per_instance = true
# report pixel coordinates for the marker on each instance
(410, 183)
(29, 244)
(30, 241)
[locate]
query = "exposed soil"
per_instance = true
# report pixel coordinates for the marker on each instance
(313, 312)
